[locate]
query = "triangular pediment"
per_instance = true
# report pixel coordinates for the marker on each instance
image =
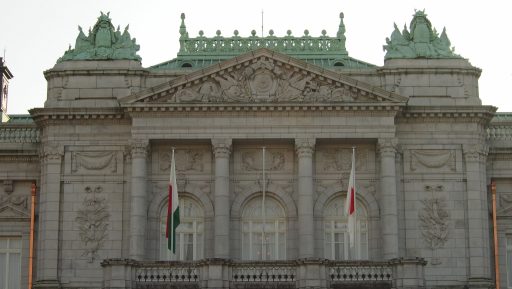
(264, 76)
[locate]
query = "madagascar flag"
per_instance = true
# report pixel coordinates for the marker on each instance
(173, 209)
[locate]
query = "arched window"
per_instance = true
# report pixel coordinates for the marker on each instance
(190, 232)
(263, 235)
(336, 244)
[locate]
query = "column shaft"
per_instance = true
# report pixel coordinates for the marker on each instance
(221, 151)
(388, 199)
(138, 208)
(305, 148)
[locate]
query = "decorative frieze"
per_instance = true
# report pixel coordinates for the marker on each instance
(422, 160)
(93, 218)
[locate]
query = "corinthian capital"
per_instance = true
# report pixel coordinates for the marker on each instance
(304, 147)
(475, 152)
(52, 152)
(387, 147)
(221, 148)
(139, 148)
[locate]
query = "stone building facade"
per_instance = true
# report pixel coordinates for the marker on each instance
(99, 154)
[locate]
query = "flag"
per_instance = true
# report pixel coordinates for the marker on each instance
(173, 209)
(350, 202)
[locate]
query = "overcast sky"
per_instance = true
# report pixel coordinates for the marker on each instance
(36, 33)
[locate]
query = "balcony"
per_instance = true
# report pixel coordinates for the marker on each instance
(303, 273)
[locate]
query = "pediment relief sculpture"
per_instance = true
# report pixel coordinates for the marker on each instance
(264, 78)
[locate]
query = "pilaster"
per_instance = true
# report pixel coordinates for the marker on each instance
(49, 217)
(221, 151)
(305, 149)
(475, 157)
(388, 200)
(138, 208)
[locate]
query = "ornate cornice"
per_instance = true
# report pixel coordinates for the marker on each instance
(439, 114)
(43, 116)
(165, 109)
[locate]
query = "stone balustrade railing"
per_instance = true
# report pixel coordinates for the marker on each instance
(360, 271)
(19, 134)
(236, 44)
(225, 273)
(164, 272)
(281, 271)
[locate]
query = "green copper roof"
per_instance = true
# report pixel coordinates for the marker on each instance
(20, 119)
(201, 51)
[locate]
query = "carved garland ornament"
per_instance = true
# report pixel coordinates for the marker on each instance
(93, 220)
(94, 161)
(433, 159)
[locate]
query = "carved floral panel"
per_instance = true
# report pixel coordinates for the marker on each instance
(339, 159)
(276, 160)
(93, 221)
(187, 160)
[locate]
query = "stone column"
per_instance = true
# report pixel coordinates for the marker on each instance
(304, 149)
(138, 207)
(388, 199)
(477, 215)
(221, 151)
(49, 215)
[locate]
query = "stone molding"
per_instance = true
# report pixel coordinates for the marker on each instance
(417, 114)
(221, 148)
(305, 147)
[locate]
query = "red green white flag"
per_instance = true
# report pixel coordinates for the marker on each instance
(350, 203)
(173, 210)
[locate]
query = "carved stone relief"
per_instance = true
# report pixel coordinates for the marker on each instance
(93, 161)
(268, 81)
(424, 160)
(11, 204)
(92, 219)
(276, 160)
(434, 223)
(187, 160)
(340, 159)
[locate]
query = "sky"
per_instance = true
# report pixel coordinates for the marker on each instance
(35, 33)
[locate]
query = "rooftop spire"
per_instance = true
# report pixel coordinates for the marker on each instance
(183, 28)
(341, 33)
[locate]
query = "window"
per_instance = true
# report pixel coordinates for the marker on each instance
(10, 262)
(509, 261)
(336, 245)
(190, 232)
(263, 235)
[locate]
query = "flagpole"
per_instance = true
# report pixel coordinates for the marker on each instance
(263, 212)
(173, 238)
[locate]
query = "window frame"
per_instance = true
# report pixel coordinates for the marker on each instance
(8, 252)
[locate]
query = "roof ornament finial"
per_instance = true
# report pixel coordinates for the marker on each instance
(183, 28)
(341, 33)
